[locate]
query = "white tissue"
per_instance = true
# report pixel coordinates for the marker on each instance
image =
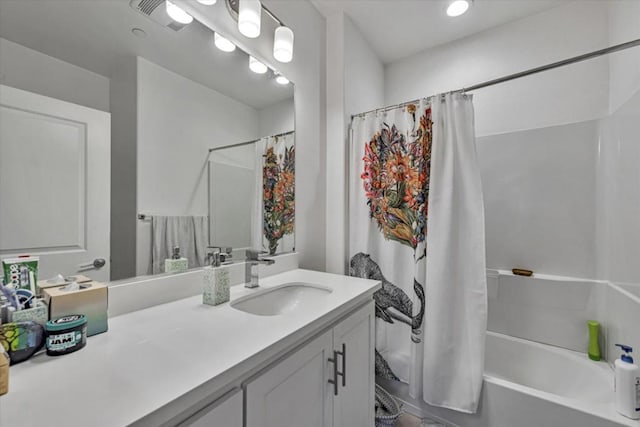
(58, 280)
(75, 286)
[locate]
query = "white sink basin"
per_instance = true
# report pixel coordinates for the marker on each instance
(281, 299)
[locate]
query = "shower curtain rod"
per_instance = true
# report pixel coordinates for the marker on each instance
(551, 66)
(239, 144)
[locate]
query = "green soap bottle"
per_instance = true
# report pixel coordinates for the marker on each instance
(594, 347)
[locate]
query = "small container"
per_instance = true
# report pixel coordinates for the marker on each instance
(66, 334)
(176, 264)
(38, 313)
(627, 384)
(594, 347)
(216, 285)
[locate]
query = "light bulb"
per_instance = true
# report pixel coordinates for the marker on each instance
(177, 13)
(223, 44)
(282, 80)
(458, 7)
(257, 66)
(207, 2)
(249, 14)
(283, 44)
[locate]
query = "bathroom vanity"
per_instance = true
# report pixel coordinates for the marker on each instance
(310, 362)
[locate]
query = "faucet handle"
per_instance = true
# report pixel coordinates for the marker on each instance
(213, 258)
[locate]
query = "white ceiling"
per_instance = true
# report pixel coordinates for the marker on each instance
(96, 34)
(396, 29)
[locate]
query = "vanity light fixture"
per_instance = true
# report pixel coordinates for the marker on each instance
(177, 13)
(249, 15)
(283, 44)
(207, 2)
(280, 79)
(223, 44)
(458, 7)
(257, 66)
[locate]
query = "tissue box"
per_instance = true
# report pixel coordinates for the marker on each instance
(43, 284)
(91, 300)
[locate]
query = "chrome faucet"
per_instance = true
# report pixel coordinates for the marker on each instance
(251, 273)
(216, 257)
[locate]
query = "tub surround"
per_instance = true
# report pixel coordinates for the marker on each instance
(554, 310)
(536, 367)
(156, 365)
(544, 308)
(527, 384)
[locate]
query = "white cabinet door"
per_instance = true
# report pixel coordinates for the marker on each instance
(224, 412)
(55, 160)
(354, 404)
(294, 392)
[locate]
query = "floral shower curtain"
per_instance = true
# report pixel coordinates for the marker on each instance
(431, 310)
(278, 191)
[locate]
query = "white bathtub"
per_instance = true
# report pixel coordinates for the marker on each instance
(528, 384)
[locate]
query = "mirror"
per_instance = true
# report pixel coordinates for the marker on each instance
(133, 135)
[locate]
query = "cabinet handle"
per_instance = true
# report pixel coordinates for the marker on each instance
(343, 374)
(334, 381)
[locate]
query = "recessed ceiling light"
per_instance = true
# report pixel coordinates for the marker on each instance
(139, 32)
(257, 66)
(458, 7)
(223, 44)
(207, 2)
(282, 80)
(177, 13)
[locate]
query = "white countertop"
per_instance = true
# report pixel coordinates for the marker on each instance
(150, 358)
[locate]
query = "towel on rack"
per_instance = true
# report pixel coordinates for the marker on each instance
(190, 233)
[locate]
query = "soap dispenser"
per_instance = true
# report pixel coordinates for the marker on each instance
(627, 385)
(216, 281)
(176, 264)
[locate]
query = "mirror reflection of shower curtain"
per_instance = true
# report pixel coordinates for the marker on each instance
(278, 193)
(256, 209)
(407, 164)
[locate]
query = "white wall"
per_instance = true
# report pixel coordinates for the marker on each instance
(307, 71)
(178, 121)
(277, 118)
(571, 94)
(30, 70)
(624, 75)
(363, 73)
(355, 83)
(124, 165)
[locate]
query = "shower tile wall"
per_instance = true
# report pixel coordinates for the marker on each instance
(565, 200)
(539, 199)
(619, 194)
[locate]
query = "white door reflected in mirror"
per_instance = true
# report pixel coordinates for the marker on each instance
(55, 170)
